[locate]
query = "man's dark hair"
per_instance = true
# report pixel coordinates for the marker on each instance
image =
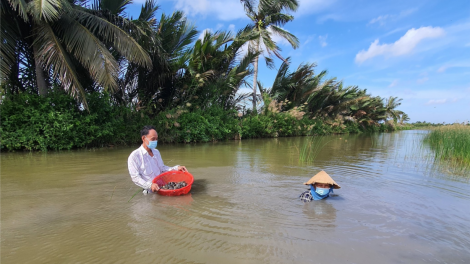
(146, 129)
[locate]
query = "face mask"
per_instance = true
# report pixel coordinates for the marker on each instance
(152, 144)
(322, 191)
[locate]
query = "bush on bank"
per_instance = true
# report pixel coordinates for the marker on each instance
(31, 122)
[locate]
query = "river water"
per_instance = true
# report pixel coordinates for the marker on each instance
(73, 206)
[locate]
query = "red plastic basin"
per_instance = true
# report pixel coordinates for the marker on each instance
(174, 176)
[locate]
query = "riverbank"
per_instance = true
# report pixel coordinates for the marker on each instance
(451, 144)
(32, 122)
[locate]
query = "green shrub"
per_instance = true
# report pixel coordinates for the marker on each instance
(180, 125)
(31, 122)
(56, 122)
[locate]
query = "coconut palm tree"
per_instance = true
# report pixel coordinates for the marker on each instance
(390, 105)
(404, 118)
(368, 110)
(267, 18)
(323, 98)
(303, 87)
(168, 44)
(215, 70)
(202, 75)
(66, 38)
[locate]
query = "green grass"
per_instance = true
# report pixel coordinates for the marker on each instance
(310, 150)
(451, 144)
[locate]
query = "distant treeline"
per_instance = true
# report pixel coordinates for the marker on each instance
(428, 124)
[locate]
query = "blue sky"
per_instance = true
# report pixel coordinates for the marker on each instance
(418, 50)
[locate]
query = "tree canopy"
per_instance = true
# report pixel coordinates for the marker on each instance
(153, 63)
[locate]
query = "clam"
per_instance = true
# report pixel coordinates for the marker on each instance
(174, 185)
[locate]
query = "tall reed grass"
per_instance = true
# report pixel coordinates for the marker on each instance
(451, 144)
(310, 150)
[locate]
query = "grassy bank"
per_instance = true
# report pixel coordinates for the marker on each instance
(451, 144)
(30, 122)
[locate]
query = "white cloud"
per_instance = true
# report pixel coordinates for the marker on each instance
(393, 84)
(431, 94)
(437, 101)
(313, 6)
(380, 19)
(223, 10)
(309, 39)
(454, 64)
(442, 69)
(231, 28)
(323, 40)
(201, 36)
(219, 26)
(407, 12)
(232, 9)
(422, 80)
(403, 46)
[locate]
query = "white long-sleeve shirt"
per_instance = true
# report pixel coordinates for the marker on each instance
(143, 168)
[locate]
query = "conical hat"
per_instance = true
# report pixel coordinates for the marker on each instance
(322, 177)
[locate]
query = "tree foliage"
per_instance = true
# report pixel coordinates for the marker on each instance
(267, 18)
(328, 99)
(67, 43)
(154, 67)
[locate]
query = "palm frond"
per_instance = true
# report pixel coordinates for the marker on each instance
(121, 41)
(246, 61)
(148, 10)
(19, 6)
(249, 6)
(116, 7)
(293, 40)
(55, 58)
(90, 51)
(9, 38)
(48, 10)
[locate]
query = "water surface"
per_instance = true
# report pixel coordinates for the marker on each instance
(72, 206)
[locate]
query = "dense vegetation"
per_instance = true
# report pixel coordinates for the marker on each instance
(424, 124)
(75, 74)
(452, 144)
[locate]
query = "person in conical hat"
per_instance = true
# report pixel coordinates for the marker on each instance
(321, 185)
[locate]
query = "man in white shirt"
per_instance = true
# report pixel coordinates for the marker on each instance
(145, 163)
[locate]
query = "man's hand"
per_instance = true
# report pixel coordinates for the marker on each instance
(182, 168)
(154, 187)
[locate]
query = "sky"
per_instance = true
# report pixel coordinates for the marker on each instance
(417, 50)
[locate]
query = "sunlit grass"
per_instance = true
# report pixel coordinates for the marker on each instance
(310, 150)
(451, 144)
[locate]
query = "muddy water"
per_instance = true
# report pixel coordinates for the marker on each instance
(72, 207)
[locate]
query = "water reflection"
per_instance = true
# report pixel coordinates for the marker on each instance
(322, 213)
(72, 206)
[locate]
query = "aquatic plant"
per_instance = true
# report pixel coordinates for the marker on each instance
(451, 144)
(310, 150)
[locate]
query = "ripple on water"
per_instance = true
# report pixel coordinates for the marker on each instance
(243, 207)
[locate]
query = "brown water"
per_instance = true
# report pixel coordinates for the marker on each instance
(72, 206)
